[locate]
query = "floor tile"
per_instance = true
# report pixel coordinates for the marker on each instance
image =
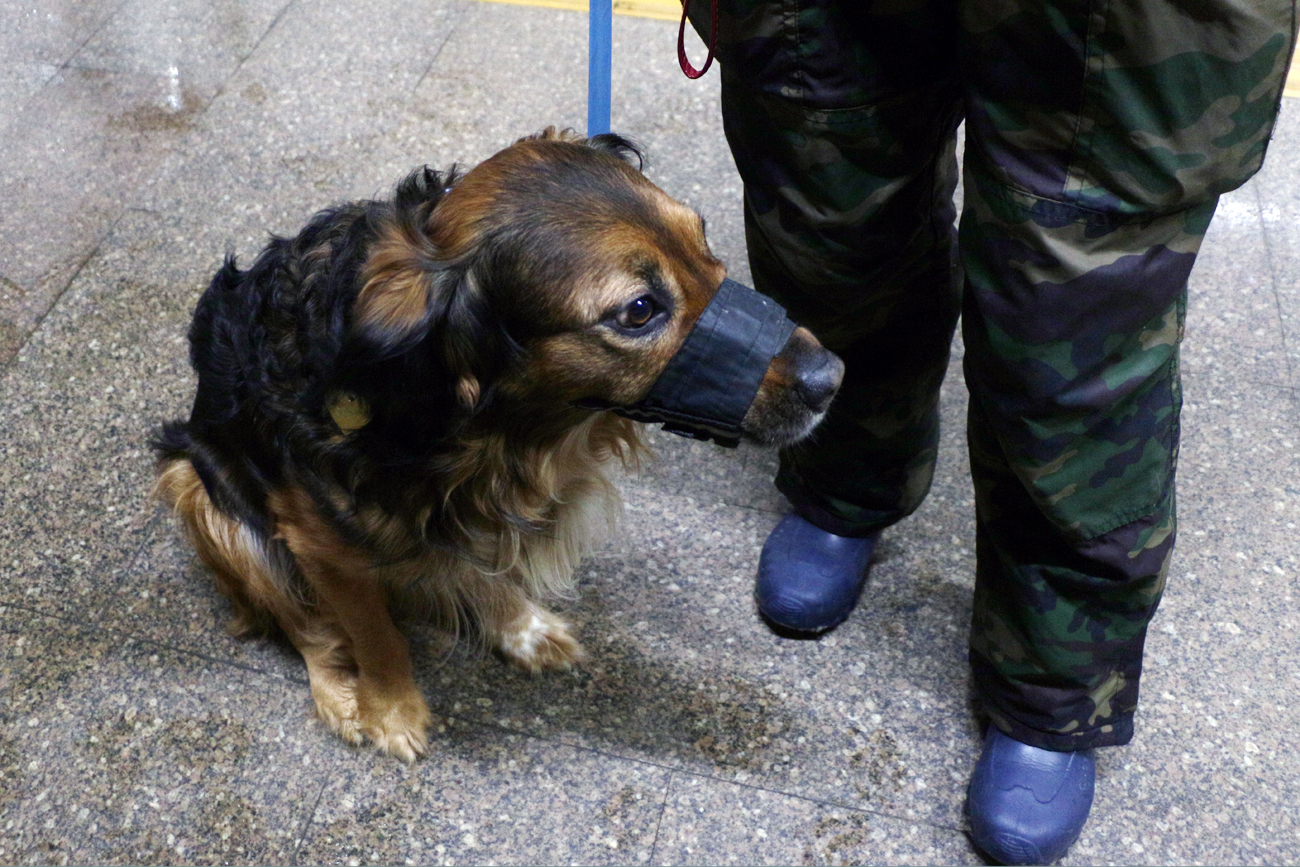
(312, 118)
(1274, 188)
(488, 796)
(194, 46)
(79, 404)
(1233, 324)
(114, 751)
(80, 147)
(712, 822)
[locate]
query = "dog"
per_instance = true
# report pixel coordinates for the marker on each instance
(409, 408)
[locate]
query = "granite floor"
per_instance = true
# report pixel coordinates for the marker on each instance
(142, 139)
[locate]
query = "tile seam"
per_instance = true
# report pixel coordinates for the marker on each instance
(451, 31)
(1287, 349)
(827, 802)
(663, 811)
(6, 364)
(153, 642)
(298, 845)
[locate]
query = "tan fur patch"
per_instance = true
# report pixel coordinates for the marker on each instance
(554, 133)
(246, 573)
(395, 291)
(389, 709)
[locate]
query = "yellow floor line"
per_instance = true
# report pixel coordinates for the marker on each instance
(666, 10)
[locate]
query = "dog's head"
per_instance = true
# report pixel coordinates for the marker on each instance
(554, 278)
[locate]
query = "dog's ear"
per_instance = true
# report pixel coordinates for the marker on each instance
(398, 275)
(607, 142)
(619, 146)
(439, 312)
(411, 299)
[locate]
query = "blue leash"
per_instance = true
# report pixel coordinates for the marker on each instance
(600, 19)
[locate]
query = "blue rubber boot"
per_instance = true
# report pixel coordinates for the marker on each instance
(809, 579)
(1027, 805)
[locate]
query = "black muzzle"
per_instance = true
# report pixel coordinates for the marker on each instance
(710, 383)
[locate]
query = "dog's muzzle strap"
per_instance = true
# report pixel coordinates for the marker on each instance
(709, 384)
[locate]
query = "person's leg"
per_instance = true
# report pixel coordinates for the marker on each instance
(845, 143)
(1099, 137)
(842, 122)
(1072, 365)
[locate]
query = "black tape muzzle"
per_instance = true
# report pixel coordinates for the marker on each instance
(710, 382)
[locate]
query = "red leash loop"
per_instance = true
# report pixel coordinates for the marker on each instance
(687, 69)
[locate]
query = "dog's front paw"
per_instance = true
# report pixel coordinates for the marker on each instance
(396, 724)
(538, 641)
(335, 694)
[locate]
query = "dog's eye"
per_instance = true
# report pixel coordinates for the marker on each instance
(638, 313)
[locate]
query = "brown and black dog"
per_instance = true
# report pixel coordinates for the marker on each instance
(393, 411)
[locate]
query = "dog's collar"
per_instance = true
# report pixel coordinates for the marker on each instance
(709, 384)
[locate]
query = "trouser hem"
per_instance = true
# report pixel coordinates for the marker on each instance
(1116, 732)
(807, 507)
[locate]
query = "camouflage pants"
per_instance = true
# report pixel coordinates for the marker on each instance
(1098, 138)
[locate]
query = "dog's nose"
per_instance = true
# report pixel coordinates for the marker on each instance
(817, 383)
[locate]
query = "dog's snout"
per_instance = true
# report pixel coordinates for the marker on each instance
(817, 382)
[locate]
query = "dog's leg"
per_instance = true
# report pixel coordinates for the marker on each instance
(526, 634)
(390, 710)
(333, 675)
(260, 588)
(537, 640)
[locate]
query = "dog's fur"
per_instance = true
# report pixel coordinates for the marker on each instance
(386, 411)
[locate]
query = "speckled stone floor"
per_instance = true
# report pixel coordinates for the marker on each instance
(142, 139)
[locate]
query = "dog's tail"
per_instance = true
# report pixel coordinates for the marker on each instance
(173, 445)
(252, 572)
(172, 441)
